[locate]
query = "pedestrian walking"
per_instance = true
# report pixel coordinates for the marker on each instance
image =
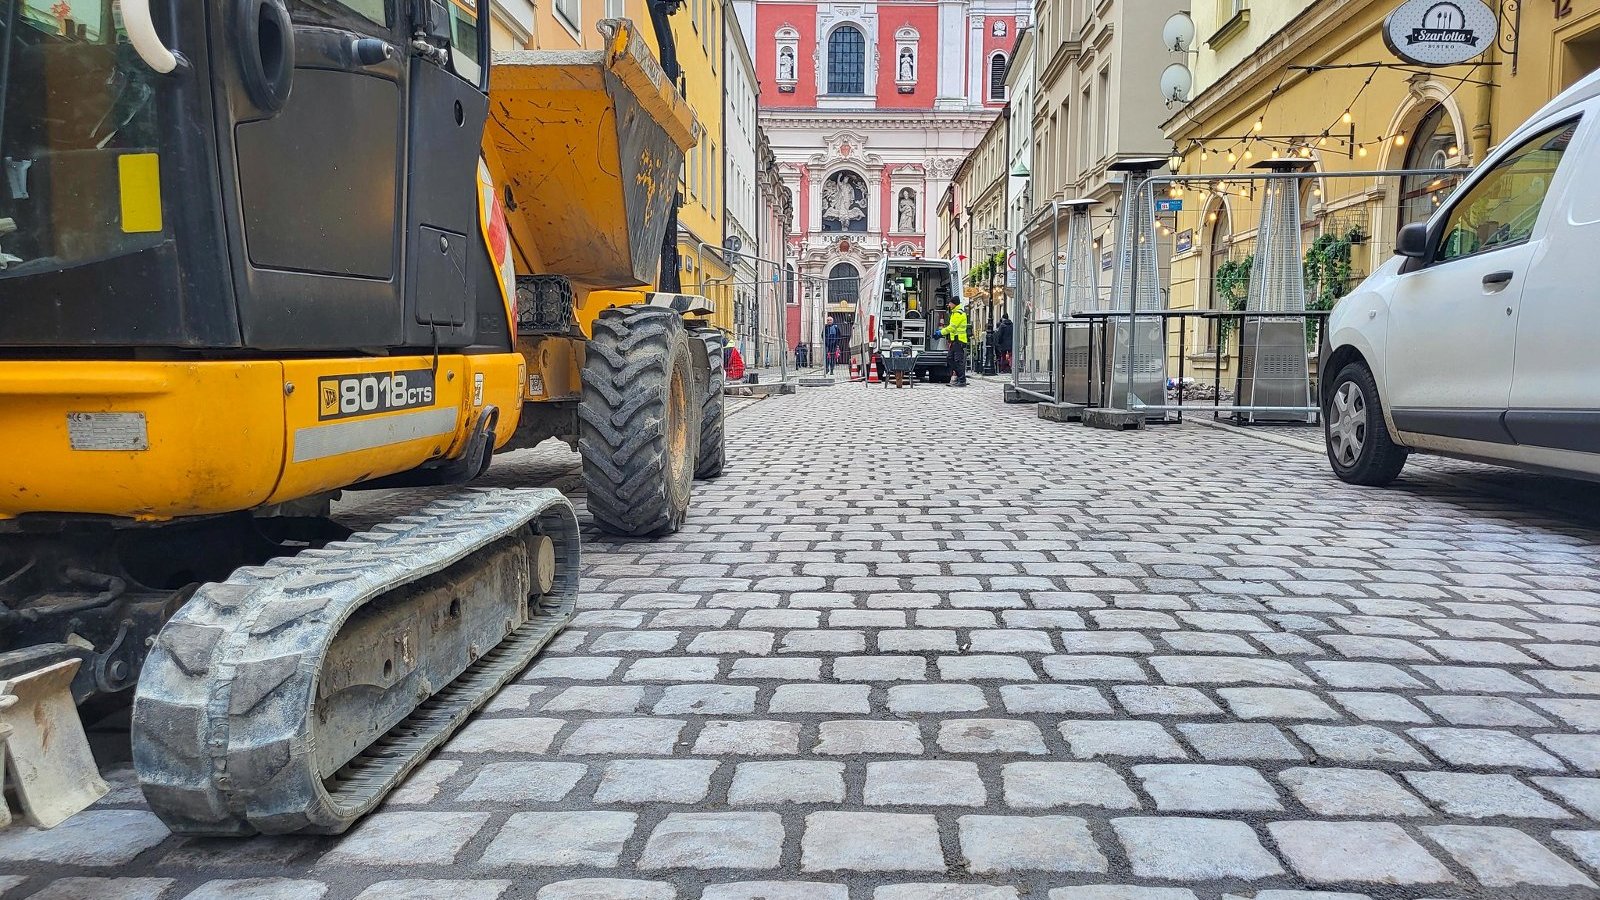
(831, 345)
(956, 330)
(1003, 339)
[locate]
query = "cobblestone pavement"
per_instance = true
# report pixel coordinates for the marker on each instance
(919, 644)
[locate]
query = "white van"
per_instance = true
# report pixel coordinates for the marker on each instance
(1481, 338)
(906, 300)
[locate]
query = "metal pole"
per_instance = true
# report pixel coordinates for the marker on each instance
(12, 14)
(1133, 278)
(1057, 333)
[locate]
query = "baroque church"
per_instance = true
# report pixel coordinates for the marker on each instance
(869, 108)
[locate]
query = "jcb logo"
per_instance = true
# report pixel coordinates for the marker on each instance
(342, 396)
(330, 401)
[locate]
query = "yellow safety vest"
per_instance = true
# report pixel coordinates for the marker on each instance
(956, 329)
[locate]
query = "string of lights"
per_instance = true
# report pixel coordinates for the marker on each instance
(1242, 149)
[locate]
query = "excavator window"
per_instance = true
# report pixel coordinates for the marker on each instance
(369, 9)
(78, 138)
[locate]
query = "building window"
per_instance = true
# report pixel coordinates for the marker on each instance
(997, 77)
(1105, 112)
(616, 9)
(847, 61)
(570, 14)
(1221, 233)
(1433, 144)
(844, 203)
(844, 283)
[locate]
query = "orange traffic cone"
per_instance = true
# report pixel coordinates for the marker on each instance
(872, 371)
(855, 370)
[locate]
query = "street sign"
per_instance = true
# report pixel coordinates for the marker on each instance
(1169, 204)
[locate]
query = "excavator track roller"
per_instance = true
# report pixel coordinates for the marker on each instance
(295, 695)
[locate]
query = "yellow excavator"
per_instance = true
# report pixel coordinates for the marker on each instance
(254, 254)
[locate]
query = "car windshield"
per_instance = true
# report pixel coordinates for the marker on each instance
(77, 137)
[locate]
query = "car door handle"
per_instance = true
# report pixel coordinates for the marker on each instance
(1494, 278)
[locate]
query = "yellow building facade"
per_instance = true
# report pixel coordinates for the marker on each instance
(700, 27)
(1254, 98)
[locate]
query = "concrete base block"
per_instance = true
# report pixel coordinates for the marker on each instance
(764, 389)
(1012, 395)
(1061, 412)
(1114, 419)
(816, 381)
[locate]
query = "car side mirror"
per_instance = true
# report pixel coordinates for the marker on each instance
(1412, 241)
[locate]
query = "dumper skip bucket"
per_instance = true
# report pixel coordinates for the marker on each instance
(589, 144)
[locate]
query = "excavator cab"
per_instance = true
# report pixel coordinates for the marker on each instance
(252, 175)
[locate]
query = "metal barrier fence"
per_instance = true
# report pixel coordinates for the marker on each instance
(1238, 255)
(760, 326)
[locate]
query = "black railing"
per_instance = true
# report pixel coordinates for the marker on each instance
(1100, 320)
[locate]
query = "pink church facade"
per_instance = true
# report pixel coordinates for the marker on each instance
(869, 108)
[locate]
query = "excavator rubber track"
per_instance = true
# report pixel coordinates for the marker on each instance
(251, 707)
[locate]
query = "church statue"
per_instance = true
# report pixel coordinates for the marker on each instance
(905, 65)
(908, 212)
(786, 65)
(842, 201)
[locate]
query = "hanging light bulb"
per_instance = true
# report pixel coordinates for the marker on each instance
(1247, 154)
(1204, 155)
(1305, 152)
(1347, 118)
(1454, 150)
(1232, 157)
(1256, 126)
(1274, 153)
(1322, 141)
(1212, 217)
(1362, 151)
(1399, 140)
(1316, 192)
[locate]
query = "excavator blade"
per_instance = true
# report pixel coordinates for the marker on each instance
(55, 774)
(295, 695)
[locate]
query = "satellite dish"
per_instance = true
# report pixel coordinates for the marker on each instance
(1176, 80)
(1178, 33)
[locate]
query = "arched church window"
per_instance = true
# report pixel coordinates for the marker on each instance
(847, 61)
(997, 77)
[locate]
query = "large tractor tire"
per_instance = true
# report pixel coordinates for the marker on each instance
(713, 448)
(638, 421)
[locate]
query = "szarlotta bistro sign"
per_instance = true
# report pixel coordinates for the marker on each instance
(1440, 32)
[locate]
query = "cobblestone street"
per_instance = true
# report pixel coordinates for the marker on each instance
(919, 645)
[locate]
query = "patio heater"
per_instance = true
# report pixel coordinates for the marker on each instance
(1138, 360)
(1273, 369)
(1080, 381)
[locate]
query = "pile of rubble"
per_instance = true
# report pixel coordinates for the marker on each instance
(1199, 392)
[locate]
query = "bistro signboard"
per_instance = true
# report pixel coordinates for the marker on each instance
(1440, 32)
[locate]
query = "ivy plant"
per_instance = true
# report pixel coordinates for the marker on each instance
(1232, 286)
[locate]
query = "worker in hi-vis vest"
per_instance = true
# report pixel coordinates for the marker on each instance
(956, 331)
